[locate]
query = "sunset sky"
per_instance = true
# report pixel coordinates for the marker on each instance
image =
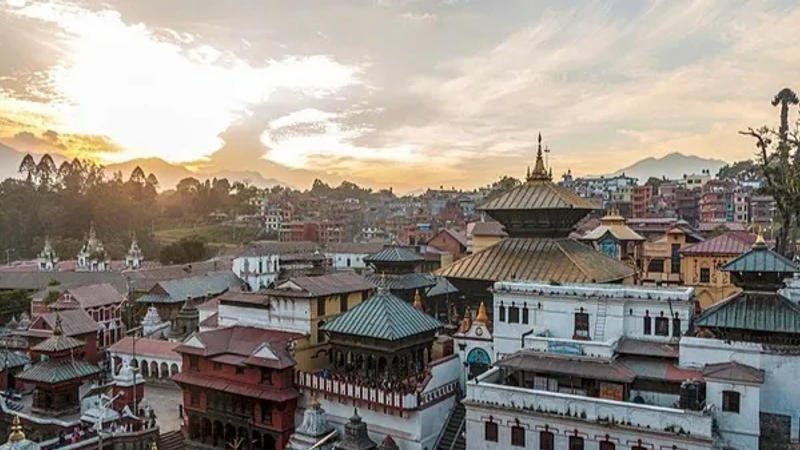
(399, 93)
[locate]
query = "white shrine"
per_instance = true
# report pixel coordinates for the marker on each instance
(92, 257)
(134, 258)
(47, 261)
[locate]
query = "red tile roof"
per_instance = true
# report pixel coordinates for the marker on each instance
(260, 391)
(245, 342)
(146, 347)
(90, 296)
(732, 243)
(74, 322)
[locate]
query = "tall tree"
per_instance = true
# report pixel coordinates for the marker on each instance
(28, 167)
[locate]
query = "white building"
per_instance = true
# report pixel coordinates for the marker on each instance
(134, 258)
(92, 257)
(350, 255)
(47, 261)
(259, 265)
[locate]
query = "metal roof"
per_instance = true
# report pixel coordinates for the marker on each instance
(383, 316)
(761, 259)
(539, 362)
(323, 285)
(539, 259)
(538, 194)
(263, 248)
(734, 371)
(402, 282)
(393, 254)
(757, 311)
(57, 343)
(176, 291)
(10, 359)
(732, 243)
(54, 371)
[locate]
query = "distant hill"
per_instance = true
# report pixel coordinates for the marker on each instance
(672, 166)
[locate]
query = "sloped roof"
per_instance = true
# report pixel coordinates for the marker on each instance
(57, 343)
(442, 287)
(393, 253)
(10, 359)
(732, 243)
(383, 316)
(538, 259)
(177, 291)
(243, 343)
(404, 281)
(488, 228)
(457, 236)
(260, 248)
(364, 248)
(146, 347)
(91, 296)
(57, 370)
(620, 231)
(734, 371)
(538, 194)
(761, 259)
(562, 365)
(323, 285)
(74, 322)
(756, 311)
(36, 280)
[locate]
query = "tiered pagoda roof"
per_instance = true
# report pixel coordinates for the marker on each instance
(62, 364)
(394, 254)
(383, 316)
(538, 216)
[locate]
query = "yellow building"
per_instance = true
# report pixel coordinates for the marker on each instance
(661, 258)
(481, 235)
(701, 262)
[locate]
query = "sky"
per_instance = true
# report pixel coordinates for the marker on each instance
(400, 93)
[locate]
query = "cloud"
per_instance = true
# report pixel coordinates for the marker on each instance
(155, 96)
(419, 17)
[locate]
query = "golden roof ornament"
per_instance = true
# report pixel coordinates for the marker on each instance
(418, 301)
(760, 242)
(539, 172)
(466, 323)
(482, 316)
(16, 434)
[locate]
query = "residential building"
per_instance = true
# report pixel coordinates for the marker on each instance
(169, 297)
(350, 255)
(484, 234)
(661, 259)
(450, 241)
(641, 200)
(264, 262)
(101, 301)
(616, 240)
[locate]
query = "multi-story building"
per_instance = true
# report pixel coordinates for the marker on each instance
(262, 262)
(101, 301)
(237, 387)
(701, 265)
(484, 234)
(350, 255)
(762, 210)
(695, 180)
(661, 258)
(640, 201)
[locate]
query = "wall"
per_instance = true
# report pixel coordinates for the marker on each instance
(738, 430)
(719, 286)
(255, 278)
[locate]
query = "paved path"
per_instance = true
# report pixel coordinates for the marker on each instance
(164, 399)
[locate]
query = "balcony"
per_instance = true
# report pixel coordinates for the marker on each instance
(484, 391)
(595, 349)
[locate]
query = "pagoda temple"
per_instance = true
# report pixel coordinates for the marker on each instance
(356, 436)
(759, 313)
(17, 439)
(59, 374)
(538, 216)
(401, 268)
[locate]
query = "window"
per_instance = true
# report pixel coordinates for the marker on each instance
(320, 307)
(194, 363)
(239, 370)
(194, 397)
(266, 376)
(662, 326)
(546, 441)
(266, 412)
(342, 303)
(513, 314)
(517, 436)
(490, 431)
(217, 366)
(730, 401)
(502, 313)
(525, 315)
(676, 326)
(705, 275)
(675, 258)
(648, 325)
(575, 443)
(656, 266)
(605, 445)
(581, 325)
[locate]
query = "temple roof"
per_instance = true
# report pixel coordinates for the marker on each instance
(404, 281)
(538, 194)
(731, 243)
(734, 371)
(58, 342)
(10, 359)
(539, 259)
(239, 345)
(614, 225)
(761, 259)
(394, 254)
(754, 311)
(383, 316)
(54, 371)
(323, 285)
(177, 291)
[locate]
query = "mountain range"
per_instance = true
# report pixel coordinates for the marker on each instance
(671, 166)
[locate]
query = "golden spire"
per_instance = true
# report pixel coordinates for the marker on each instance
(16, 434)
(418, 301)
(482, 316)
(466, 323)
(539, 172)
(760, 242)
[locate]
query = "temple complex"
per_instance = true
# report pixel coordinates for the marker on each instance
(47, 261)
(538, 216)
(134, 258)
(92, 257)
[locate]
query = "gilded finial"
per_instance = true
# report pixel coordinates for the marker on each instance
(16, 434)
(154, 446)
(482, 316)
(382, 282)
(539, 172)
(760, 242)
(418, 301)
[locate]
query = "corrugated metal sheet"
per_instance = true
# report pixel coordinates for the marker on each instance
(404, 281)
(539, 259)
(383, 316)
(330, 284)
(58, 343)
(734, 243)
(392, 254)
(756, 311)
(178, 291)
(761, 259)
(538, 194)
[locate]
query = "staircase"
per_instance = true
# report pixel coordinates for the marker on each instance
(453, 436)
(600, 321)
(171, 440)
